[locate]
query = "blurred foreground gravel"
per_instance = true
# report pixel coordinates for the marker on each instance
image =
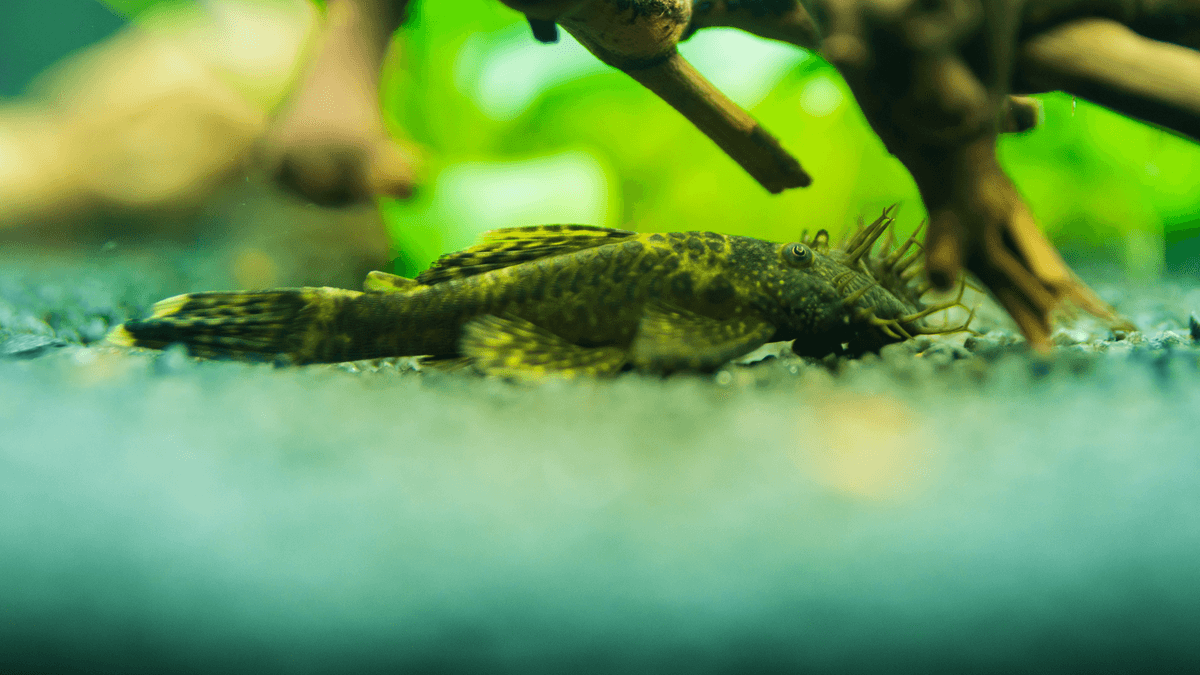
(950, 505)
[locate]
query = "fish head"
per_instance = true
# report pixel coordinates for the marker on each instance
(813, 296)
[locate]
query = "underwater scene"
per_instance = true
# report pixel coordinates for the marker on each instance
(598, 336)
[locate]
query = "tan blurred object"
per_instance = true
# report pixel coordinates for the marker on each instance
(273, 240)
(934, 80)
(151, 135)
(870, 446)
(329, 144)
(132, 125)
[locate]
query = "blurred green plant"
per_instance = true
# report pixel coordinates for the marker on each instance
(514, 132)
(1107, 187)
(131, 8)
(471, 86)
(490, 105)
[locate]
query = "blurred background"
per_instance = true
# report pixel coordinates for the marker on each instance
(913, 513)
(508, 132)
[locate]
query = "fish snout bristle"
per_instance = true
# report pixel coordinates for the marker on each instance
(849, 301)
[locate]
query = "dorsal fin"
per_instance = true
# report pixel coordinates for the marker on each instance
(515, 245)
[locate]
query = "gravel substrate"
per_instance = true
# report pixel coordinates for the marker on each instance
(952, 504)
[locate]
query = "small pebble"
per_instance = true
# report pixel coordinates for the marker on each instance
(977, 342)
(991, 342)
(1064, 337)
(174, 359)
(895, 352)
(27, 346)
(937, 356)
(69, 335)
(85, 357)
(763, 353)
(1123, 348)
(1170, 339)
(94, 329)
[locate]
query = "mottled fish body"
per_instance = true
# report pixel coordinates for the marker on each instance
(568, 299)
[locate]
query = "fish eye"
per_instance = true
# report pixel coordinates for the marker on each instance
(797, 254)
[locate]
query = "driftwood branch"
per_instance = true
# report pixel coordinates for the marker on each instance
(784, 21)
(1108, 63)
(639, 37)
(934, 80)
(722, 120)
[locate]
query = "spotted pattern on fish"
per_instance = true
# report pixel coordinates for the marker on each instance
(569, 299)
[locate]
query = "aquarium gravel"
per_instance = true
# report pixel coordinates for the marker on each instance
(951, 504)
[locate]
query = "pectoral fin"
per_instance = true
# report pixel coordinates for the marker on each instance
(382, 282)
(670, 338)
(513, 347)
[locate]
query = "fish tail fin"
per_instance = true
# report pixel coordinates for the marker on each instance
(289, 324)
